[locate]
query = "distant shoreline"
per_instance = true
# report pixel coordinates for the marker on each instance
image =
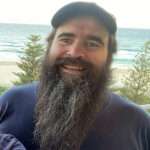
(35, 24)
(7, 63)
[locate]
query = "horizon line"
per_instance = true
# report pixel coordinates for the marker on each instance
(51, 25)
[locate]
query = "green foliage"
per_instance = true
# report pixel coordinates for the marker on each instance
(2, 89)
(30, 62)
(137, 85)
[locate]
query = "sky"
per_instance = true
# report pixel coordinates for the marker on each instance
(129, 13)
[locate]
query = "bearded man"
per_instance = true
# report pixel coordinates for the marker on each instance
(71, 108)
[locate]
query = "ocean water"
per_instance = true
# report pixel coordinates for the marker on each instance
(14, 36)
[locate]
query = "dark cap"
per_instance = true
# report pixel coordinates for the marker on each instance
(84, 8)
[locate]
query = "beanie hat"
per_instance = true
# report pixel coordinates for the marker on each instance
(84, 8)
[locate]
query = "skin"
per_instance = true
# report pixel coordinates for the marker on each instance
(84, 37)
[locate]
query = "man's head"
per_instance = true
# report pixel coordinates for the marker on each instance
(78, 9)
(75, 74)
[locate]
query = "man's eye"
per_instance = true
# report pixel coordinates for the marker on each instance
(92, 45)
(65, 40)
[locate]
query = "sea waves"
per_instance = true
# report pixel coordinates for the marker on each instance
(14, 36)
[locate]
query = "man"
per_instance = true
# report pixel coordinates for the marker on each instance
(71, 108)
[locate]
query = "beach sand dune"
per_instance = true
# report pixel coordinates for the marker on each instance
(6, 73)
(118, 76)
(7, 76)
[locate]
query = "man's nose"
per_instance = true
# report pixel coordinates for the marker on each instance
(76, 50)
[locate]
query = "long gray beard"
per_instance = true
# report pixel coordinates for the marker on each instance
(65, 113)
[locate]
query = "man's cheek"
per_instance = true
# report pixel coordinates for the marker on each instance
(56, 53)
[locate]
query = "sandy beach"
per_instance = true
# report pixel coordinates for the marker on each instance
(118, 75)
(6, 73)
(7, 76)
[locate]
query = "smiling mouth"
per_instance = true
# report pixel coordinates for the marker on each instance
(72, 69)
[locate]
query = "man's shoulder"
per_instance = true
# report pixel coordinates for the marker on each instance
(118, 101)
(17, 100)
(126, 107)
(17, 92)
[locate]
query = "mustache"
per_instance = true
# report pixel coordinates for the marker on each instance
(75, 61)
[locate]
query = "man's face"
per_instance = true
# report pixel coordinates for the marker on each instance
(81, 37)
